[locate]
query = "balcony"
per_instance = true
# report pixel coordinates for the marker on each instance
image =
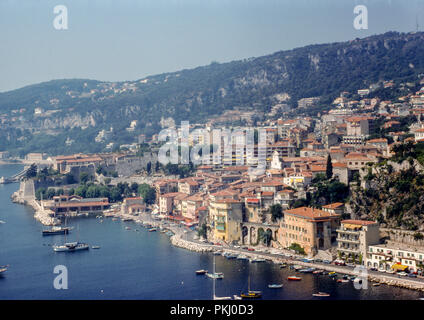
(348, 240)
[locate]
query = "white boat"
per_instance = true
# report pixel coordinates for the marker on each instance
(95, 247)
(236, 297)
(321, 294)
(71, 246)
(3, 270)
(2, 222)
(214, 277)
(275, 286)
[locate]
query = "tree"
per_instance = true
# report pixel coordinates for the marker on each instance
(84, 177)
(147, 192)
(329, 169)
(32, 171)
(202, 232)
(276, 212)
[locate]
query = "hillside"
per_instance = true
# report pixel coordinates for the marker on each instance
(80, 108)
(394, 190)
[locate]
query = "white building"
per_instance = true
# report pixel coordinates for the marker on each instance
(398, 257)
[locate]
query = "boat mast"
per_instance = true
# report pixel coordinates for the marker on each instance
(214, 297)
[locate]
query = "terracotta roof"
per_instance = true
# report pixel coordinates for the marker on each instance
(359, 222)
(310, 213)
(333, 205)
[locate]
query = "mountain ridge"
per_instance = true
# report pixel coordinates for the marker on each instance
(200, 93)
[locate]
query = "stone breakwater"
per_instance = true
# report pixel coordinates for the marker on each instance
(177, 241)
(41, 215)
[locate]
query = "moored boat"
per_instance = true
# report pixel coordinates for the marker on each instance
(318, 271)
(71, 246)
(152, 229)
(216, 275)
(202, 271)
(321, 294)
(275, 286)
(56, 230)
(294, 278)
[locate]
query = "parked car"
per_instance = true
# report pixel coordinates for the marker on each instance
(250, 249)
(326, 261)
(404, 274)
(373, 269)
(318, 260)
(412, 275)
(339, 263)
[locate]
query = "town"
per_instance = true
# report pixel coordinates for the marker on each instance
(301, 205)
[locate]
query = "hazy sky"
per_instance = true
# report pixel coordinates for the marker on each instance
(130, 39)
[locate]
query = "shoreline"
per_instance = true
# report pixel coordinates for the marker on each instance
(179, 232)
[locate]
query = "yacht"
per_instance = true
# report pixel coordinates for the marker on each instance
(56, 230)
(71, 246)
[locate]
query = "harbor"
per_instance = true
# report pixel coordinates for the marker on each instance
(134, 263)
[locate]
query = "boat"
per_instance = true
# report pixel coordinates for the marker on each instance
(251, 294)
(318, 271)
(2, 222)
(3, 270)
(95, 247)
(202, 271)
(275, 286)
(215, 275)
(242, 257)
(71, 246)
(217, 253)
(283, 265)
(257, 260)
(297, 267)
(56, 230)
(307, 270)
(127, 219)
(342, 280)
(114, 219)
(376, 284)
(236, 297)
(152, 229)
(294, 278)
(127, 228)
(321, 294)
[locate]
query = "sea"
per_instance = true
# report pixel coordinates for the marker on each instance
(137, 264)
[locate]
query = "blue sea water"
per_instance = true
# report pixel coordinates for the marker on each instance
(137, 264)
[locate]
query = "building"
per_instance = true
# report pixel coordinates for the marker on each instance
(73, 205)
(166, 202)
(311, 228)
(354, 237)
(133, 205)
(398, 257)
(225, 217)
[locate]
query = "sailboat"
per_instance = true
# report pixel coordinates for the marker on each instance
(3, 270)
(214, 285)
(70, 246)
(250, 293)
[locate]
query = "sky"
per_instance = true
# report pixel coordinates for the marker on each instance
(119, 40)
